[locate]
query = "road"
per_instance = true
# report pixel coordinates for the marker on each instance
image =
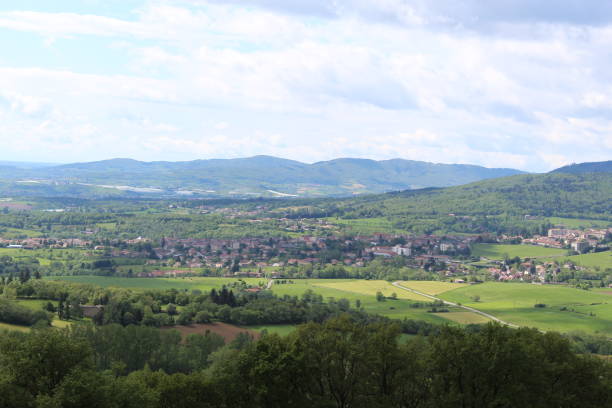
(470, 309)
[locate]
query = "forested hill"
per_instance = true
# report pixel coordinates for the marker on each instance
(586, 195)
(593, 167)
(255, 176)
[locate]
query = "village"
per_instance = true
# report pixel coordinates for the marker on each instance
(577, 240)
(449, 255)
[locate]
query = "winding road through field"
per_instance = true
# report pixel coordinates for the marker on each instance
(470, 309)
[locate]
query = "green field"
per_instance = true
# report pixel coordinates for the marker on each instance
(495, 251)
(590, 311)
(203, 284)
(37, 304)
(578, 223)
(432, 287)
(364, 291)
(370, 288)
(13, 327)
(45, 256)
(602, 260)
(107, 226)
(34, 304)
(280, 329)
(18, 233)
(364, 226)
(466, 317)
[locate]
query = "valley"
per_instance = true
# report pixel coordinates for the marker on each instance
(459, 257)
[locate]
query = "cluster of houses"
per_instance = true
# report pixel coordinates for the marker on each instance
(179, 256)
(578, 240)
(254, 253)
(36, 243)
(526, 271)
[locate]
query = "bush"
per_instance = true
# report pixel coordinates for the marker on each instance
(184, 318)
(202, 317)
(13, 313)
(539, 305)
(171, 309)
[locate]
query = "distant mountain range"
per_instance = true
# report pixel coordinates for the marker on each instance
(255, 176)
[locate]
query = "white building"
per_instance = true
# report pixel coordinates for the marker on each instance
(400, 250)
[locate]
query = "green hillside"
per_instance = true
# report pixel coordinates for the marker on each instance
(593, 167)
(497, 205)
(560, 195)
(259, 176)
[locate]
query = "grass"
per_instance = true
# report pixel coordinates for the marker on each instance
(432, 287)
(370, 288)
(364, 226)
(394, 309)
(33, 304)
(589, 311)
(14, 327)
(107, 226)
(37, 304)
(60, 324)
(602, 260)
(18, 233)
(465, 317)
(496, 251)
(46, 256)
(578, 223)
(141, 284)
(363, 291)
(41, 253)
(280, 329)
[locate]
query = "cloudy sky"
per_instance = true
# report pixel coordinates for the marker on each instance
(504, 83)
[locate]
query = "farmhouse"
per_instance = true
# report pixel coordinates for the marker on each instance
(91, 310)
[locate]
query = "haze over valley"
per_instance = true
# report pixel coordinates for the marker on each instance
(255, 176)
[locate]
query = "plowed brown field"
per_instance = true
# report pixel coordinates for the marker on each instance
(225, 330)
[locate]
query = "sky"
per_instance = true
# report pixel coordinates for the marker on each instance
(504, 83)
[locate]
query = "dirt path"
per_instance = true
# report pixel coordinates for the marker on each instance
(470, 309)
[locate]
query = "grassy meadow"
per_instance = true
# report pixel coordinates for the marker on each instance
(280, 329)
(352, 290)
(45, 256)
(498, 252)
(370, 288)
(365, 292)
(601, 260)
(13, 327)
(566, 308)
(578, 223)
(432, 287)
(364, 226)
(189, 283)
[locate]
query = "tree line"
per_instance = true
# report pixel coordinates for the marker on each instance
(341, 363)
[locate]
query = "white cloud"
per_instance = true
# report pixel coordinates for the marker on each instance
(314, 80)
(26, 104)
